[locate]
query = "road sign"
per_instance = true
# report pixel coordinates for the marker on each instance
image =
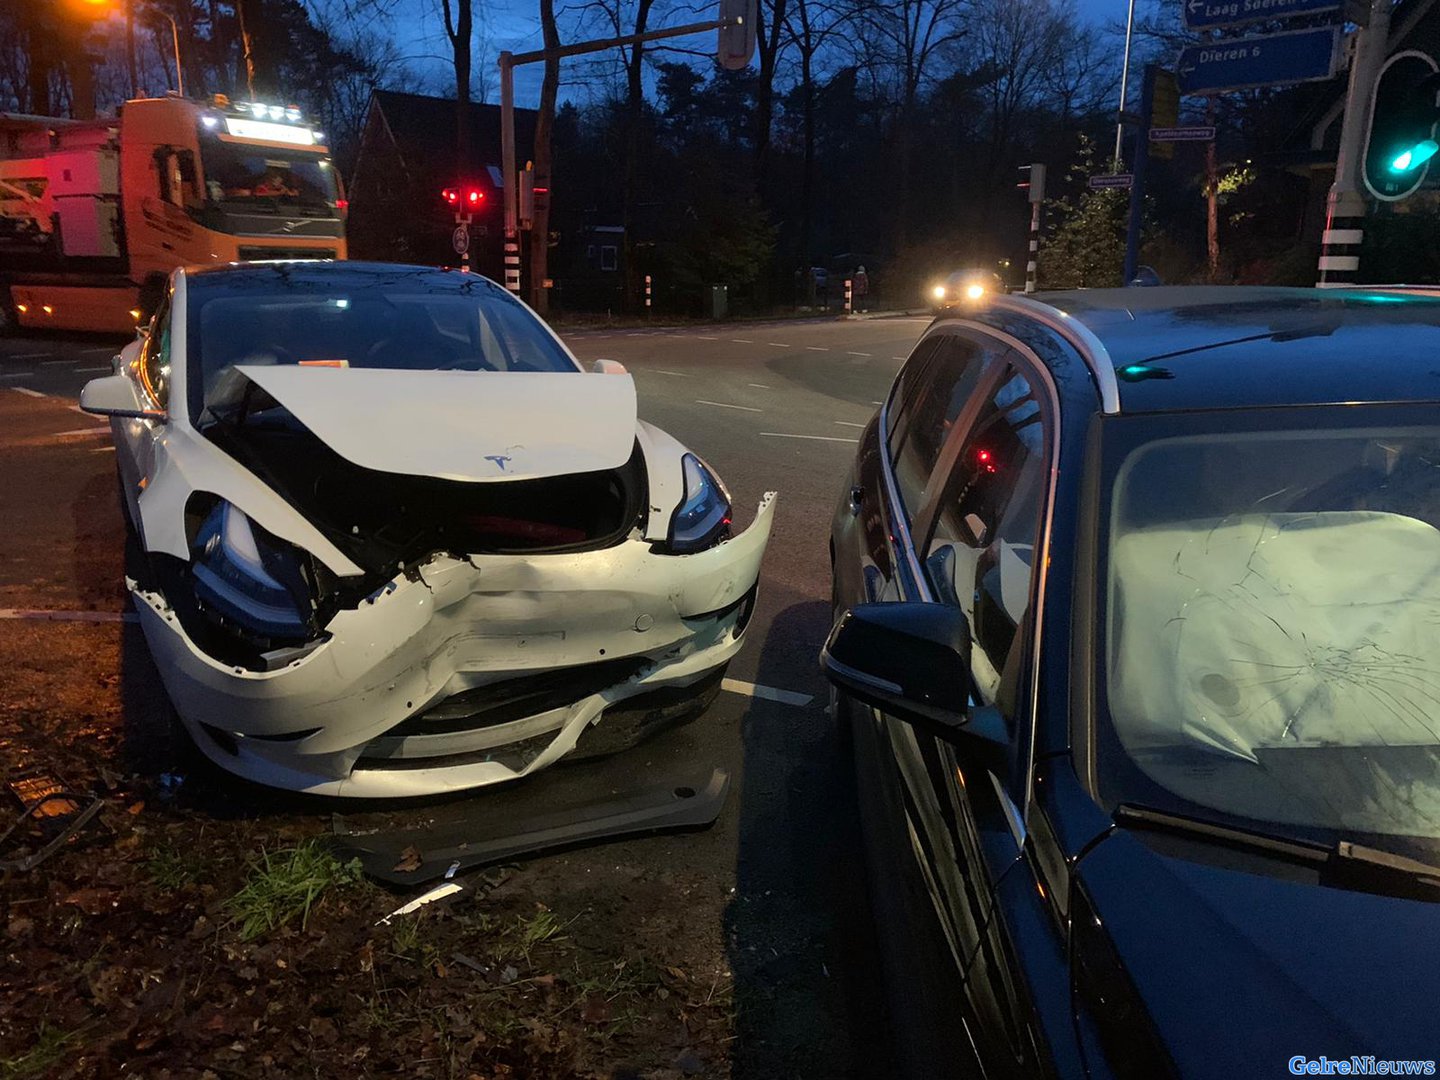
(1112, 180)
(1271, 60)
(1182, 134)
(1209, 14)
(460, 239)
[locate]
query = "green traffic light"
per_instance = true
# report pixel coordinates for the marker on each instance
(1418, 154)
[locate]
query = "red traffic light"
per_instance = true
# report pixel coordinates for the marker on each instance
(471, 197)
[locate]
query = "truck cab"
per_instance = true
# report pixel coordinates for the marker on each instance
(94, 215)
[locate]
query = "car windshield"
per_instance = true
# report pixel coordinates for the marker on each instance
(332, 315)
(269, 180)
(1271, 623)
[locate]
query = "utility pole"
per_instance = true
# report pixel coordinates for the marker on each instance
(1345, 208)
(1124, 88)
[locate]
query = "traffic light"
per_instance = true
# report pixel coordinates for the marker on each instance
(1402, 126)
(469, 198)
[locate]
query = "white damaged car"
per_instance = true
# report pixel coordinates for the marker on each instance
(392, 539)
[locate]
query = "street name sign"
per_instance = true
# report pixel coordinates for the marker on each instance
(1112, 180)
(1272, 60)
(1211, 14)
(1182, 134)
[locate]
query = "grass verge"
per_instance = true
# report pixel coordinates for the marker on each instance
(287, 885)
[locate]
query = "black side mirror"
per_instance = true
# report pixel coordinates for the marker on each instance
(912, 661)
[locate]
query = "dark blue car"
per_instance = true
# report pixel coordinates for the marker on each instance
(1138, 644)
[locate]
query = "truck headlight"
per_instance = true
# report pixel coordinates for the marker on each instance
(703, 517)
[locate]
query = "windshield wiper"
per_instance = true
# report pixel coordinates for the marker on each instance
(1344, 864)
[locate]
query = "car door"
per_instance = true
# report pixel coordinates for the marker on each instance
(975, 529)
(135, 438)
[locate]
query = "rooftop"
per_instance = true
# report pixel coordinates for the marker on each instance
(1200, 347)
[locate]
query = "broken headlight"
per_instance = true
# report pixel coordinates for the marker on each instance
(250, 578)
(703, 517)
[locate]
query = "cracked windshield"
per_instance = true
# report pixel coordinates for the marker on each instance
(1273, 602)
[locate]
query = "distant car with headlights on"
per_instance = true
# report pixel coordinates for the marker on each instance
(394, 540)
(963, 286)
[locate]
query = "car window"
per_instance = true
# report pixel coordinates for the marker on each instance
(981, 556)
(155, 357)
(930, 400)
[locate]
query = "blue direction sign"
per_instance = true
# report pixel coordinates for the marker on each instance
(1271, 60)
(1209, 14)
(1112, 180)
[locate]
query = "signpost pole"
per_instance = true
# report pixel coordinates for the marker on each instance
(1124, 86)
(1345, 208)
(1137, 187)
(509, 181)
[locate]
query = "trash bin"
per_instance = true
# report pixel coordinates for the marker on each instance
(719, 301)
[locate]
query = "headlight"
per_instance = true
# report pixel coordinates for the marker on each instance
(974, 292)
(703, 517)
(250, 578)
(938, 292)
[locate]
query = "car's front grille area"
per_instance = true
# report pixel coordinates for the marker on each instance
(515, 699)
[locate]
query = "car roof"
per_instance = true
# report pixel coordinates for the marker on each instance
(325, 273)
(1207, 347)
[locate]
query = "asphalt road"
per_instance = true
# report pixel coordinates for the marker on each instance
(771, 406)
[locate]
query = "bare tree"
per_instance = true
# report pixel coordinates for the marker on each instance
(544, 123)
(770, 39)
(459, 25)
(809, 26)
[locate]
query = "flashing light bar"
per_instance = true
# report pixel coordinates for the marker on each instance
(260, 129)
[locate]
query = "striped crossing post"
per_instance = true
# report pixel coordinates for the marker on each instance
(1341, 240)
(1031, 265)
(647, 294)
(512, 262)
(1034, 188)
(849, 294)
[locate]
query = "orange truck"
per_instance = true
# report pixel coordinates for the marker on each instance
(95, 214)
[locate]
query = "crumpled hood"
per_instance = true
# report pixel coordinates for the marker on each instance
(1241, 971)
(461, 425)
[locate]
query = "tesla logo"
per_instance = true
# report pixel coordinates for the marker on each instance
(499, 459)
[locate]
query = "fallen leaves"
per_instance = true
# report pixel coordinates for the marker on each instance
(410, 860)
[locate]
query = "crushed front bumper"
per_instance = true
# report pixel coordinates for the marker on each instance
(349, 717)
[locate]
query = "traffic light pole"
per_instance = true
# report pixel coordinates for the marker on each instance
(1345, 208)
(508, 63)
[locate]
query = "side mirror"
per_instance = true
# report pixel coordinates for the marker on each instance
(114, 395)
(912, 661)
(608, 367)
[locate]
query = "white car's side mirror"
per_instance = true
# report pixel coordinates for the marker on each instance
(608, 367)
(115, 395)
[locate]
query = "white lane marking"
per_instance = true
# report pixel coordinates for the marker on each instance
(777, 345)
(704, 337)
(40, 615)
(817, 438)
(743, 340)
(662, 371)
(848, 423)
(88, 370)
(102, 449)
(636, 333)
(897, 358)
(27, 391)
(759, 385)
(81, 431)
(51, 363)
(858, 354)
(877, 403)
(724, 405)
(18, 375)
(817, 348)
(768, 693)
(27, 356)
